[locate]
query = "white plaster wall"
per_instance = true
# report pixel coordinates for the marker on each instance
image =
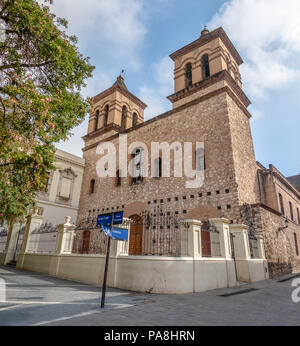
(136, 273)
(155, 274)
(56, 214)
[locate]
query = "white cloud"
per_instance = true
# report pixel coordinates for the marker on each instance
(114, 26)
(155, 95)
(267, 33)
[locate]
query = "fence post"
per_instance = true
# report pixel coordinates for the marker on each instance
(34, 220)
(65, 237)
(191, 239)
(241, 241)
(11, 243)
(222, 225)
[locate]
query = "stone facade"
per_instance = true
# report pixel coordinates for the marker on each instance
(61, 198)
(211, 109)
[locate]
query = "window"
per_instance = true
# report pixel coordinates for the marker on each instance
(205, 66)
(65, 189)
(281, 204)
(106, 112)
(188, 75)
(296, 244)
(118, 180)
(92, 186)
(200, 160)
(158, 167)
(134, 119)
(124, 116)
(298, 215)
(291, 211)
(138, 165)
(96, 120)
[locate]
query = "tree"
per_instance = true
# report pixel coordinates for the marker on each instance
(41, 76)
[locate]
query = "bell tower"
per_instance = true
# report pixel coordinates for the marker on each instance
(114, 110)
(207, 64)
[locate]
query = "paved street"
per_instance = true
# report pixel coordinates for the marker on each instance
(33, 299)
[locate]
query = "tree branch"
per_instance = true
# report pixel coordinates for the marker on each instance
(5, 67)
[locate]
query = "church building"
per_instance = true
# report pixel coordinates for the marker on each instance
(209, 106)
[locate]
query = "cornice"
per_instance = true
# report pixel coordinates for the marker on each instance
(222, 75)
(173, 111)
(205, 39)
(126, 93)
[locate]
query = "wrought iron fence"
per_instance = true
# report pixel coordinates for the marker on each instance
(3, 239)
(43, 239)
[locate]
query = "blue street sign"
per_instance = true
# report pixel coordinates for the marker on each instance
(118, 218)
(120, 233)
(105, 219)
(116, 232)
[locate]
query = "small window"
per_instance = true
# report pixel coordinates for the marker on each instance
(205, 66)
(281, 204)
(134, 119)
(138, 166)
(158, 167)
(118, 179)
(188, 75)
(92, 186)
(96, 120)
(296, 244)
(200, 160)
(298, 215)
(106, 112)
(124, 118)
(291, 211)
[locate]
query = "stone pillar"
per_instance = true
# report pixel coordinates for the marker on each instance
(240, 241)
(191, 239)
(222, 225)
(33, 221)
(11, 243)
(118, 247)
(65, 237)
(261, 247)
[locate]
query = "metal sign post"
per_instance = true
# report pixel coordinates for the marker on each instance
(106, 266)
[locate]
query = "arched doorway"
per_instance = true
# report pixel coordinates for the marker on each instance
(86, 242)
(205, 240)
(136, 235)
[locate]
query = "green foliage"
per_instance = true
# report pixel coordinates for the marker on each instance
(41, 76)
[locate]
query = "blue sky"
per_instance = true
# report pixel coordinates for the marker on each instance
(139, 35)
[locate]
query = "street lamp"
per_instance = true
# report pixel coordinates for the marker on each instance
(286, 225)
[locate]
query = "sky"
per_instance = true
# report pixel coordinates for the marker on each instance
(139, 35)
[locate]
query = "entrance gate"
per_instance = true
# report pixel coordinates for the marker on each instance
(19, 242)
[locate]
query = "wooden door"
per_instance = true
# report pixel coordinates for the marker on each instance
(86, 242)
(205, 240)
(136, 236)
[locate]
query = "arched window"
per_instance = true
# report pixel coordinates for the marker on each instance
(138, 165)
(296, 244)
(298, 215)
(281, 204)
(205, 66)
(92, 186)
(134, 119)
(188, 75)
(118, 180)
(158, 167)
(200, 160)
(86, 242)
(291, 211)
(106, 112)
(96, 120)
(124, 116)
